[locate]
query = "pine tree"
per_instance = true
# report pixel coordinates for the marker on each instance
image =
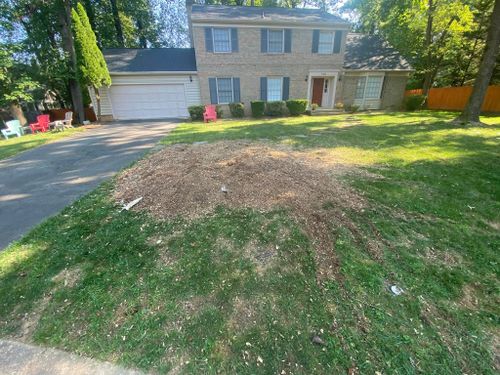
(92, 68)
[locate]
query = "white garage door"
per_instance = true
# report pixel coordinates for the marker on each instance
(132, 102)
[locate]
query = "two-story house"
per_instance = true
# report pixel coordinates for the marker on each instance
(240, 54)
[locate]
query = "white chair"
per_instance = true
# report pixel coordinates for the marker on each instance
(13, 128)
(68, 120)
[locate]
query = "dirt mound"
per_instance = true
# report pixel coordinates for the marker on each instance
(191, 180)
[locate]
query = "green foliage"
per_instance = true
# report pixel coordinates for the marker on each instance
(413, 102)
(351, 108)
(92, 68)
(237, 109)
(196, 112)
(275, 108)
(258, 108)
(219, 111)
(297, 106)
(16, 82)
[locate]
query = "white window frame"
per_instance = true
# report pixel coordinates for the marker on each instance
(282, 40)
(364, 99)
(281, 88)
(217, 87)
(330, 50)
(228, 29)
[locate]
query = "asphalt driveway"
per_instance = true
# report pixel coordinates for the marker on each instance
(38, 183)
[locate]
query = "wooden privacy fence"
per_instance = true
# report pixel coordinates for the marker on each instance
(455, 98)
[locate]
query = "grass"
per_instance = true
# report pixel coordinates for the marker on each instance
(15, 145)
(188, 296)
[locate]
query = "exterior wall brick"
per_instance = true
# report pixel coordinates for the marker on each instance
(249, 64)
(392, 90)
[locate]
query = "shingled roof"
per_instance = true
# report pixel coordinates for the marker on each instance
(262, 14)
(370, 52)
(123, 60)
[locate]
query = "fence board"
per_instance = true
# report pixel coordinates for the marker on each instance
(455, 98)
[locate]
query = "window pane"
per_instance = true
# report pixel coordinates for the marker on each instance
(222, 40)
(275, 41)
(360, 88)
(373, 85)
(225, 90)
(325, 42)
(273, 89)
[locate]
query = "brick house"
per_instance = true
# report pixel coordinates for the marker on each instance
(242, 54)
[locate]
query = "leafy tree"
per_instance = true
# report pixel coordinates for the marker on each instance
(16, 84)
(92, 68)
(473, 107)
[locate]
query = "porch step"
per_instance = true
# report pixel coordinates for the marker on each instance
(326, 112)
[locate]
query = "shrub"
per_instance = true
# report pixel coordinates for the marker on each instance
(219, 111)
(314, 107)
(351, 108)
(276, 108)
(196, 112)
(258, 107)
(297, 106)
(237, 109)
(339, 105)
(413, 102)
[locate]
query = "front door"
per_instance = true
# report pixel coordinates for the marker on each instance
(318, 85)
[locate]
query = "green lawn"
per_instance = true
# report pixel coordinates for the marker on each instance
(183, 295)
(15, 145)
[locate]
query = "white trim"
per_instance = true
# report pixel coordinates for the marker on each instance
(187, 73)
(334, 74)
(217, 88)
(364, 99)
(282, 40)
(277, 24)
(230, 40)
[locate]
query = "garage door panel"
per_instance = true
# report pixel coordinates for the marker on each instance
(148, 101)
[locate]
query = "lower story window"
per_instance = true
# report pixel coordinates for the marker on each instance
(274, 89)
(369, 87)
(225, 90)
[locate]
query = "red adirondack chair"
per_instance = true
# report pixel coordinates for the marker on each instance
(42, 124)
(210, 113)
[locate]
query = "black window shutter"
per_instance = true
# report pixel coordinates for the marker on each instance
(337, 41)
(209, 41)
(263, 40)
(263, 88)
(286, 88)
(234, 39)
(212, 83)
(236, 90)
(288, 40)
(315, 41)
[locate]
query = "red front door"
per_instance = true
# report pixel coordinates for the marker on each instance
(317, 96)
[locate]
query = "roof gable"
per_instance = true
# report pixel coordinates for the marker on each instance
(122, 60)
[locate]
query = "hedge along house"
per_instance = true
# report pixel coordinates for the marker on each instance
(242, 54)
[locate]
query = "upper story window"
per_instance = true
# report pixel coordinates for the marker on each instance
(222, 40)
(275, 40)
(325, 44)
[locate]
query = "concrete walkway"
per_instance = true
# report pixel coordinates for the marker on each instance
(22, 359)
(38, 183)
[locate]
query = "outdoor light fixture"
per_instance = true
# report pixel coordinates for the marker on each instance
(190, 78)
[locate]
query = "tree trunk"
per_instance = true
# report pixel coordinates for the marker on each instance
(428, 41)
(69, 49)
(118, 23)
(143, 42)
(473, 108)
(17, 112)
(98, 100)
